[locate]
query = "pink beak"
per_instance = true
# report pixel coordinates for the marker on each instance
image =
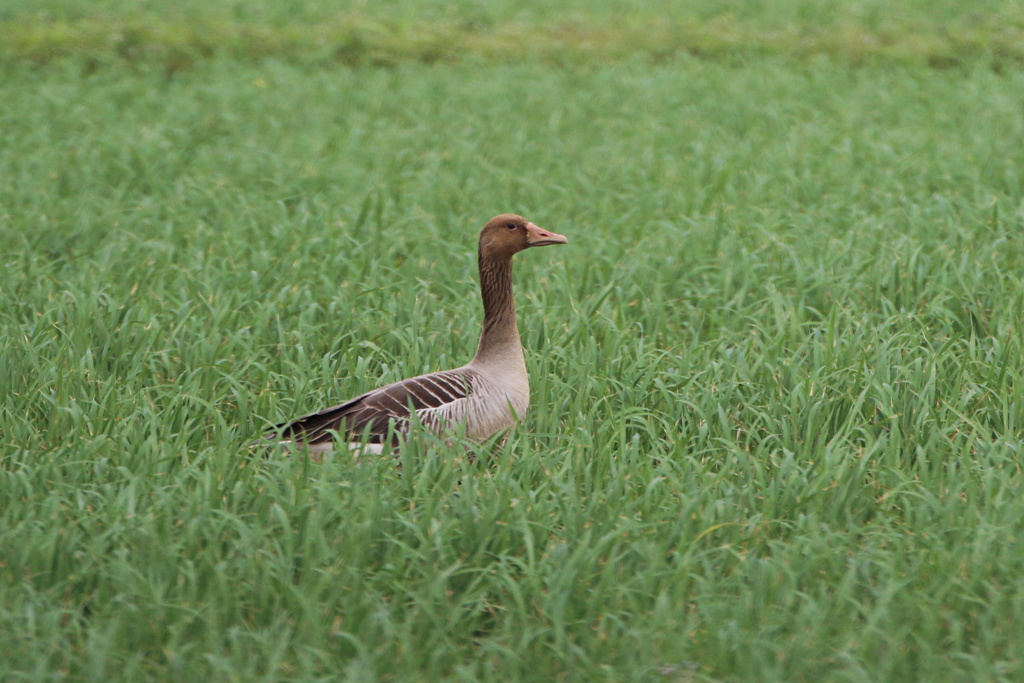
(539, 237)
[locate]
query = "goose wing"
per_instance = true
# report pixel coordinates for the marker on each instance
(373, 412)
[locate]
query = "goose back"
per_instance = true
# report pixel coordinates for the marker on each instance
(437, 399)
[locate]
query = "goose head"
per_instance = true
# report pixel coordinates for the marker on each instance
(508, 234)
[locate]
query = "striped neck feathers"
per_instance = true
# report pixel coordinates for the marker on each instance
(499, 340)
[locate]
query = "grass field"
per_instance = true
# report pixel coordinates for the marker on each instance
(936, 33)
(778, 391)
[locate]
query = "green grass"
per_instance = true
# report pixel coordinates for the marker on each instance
(777, 378)
(178, 35)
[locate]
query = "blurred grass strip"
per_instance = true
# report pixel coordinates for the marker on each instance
(995, 39)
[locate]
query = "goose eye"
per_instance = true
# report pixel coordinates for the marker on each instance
(511, 226)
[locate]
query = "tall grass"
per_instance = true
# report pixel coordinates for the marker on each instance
(776, 421)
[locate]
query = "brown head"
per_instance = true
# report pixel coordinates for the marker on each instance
(506, 235)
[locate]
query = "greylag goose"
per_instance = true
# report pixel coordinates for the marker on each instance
(479, 399)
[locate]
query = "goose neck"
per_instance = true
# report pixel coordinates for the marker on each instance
(499, 341)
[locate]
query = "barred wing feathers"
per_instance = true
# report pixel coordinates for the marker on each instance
(436, 398)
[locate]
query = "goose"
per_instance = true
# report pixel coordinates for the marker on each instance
(487, 395)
